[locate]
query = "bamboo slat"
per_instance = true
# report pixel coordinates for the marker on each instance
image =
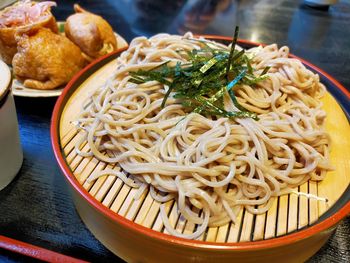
(181, 223)
(222, 233)
(105, 188)
(212, 233)
(247, 227)
(189, 228)
(119, 201)
(313, 203)
(259, 228)
(233, 235)
(152, 215)
(303, 207)
(173, 217)
(271, 219)
(292, 213)
(145, 209)
(108, 200)
(282, 215)
(158, 225)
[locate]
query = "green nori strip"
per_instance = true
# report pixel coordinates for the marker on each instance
(266, 69)
(208, 65)
(233, 46)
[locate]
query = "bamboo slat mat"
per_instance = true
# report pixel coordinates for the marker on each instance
(287, 214)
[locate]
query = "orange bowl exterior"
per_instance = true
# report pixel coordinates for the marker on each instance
(135, 243)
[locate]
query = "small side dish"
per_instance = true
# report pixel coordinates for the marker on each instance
(42, 57)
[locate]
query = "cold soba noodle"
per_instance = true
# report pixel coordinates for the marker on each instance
(212, 164)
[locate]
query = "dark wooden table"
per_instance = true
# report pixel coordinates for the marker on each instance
(37, 208)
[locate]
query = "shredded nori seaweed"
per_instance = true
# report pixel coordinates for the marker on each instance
(201, 84)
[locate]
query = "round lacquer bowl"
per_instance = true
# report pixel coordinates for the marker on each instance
(291, 231)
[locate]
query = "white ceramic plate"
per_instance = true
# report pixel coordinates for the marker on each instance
(18, 88)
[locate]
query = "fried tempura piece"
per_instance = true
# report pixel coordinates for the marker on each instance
(22, 16)
(90, 32)
(46, 60)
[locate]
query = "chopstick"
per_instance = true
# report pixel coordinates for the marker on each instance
(35, 251)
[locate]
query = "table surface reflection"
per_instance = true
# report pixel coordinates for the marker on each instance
(37, 208)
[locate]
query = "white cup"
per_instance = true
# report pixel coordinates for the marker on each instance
(11, 155)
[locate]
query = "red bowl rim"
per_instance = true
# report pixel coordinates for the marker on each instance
(324, 225)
